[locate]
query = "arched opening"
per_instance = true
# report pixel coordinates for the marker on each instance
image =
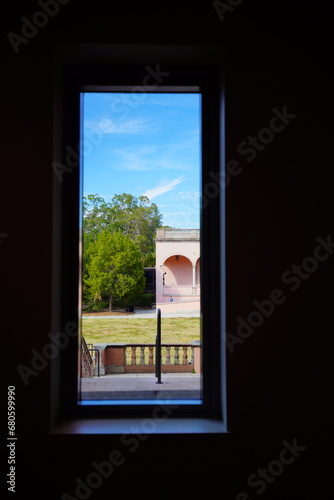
(178, 269)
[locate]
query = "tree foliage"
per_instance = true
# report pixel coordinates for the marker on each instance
(113, 268)
(118, 241)
(136, 218)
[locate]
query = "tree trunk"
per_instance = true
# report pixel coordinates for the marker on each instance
(110, 302)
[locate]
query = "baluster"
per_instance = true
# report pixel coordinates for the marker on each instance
(142, 354)
(176, 355)
(185, 355)
(133, 357)
(126, 355)
(168, 354)
(150, 355)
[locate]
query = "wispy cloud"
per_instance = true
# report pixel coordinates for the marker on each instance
(170, 101)
(106, 126)
(135, 158)
(163, 187)
(189, 195)
(150, 158)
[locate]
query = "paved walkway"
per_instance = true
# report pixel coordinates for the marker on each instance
(147, 313)
(142, 386)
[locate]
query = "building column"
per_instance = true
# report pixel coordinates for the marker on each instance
(194, 290)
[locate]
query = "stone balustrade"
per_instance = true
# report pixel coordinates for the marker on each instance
(178, 234)
(140, 358)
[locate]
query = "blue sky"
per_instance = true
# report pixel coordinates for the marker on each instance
(145, 144)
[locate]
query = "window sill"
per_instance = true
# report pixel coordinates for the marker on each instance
(120, 426)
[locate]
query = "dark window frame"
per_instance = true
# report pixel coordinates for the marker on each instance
(75, 72)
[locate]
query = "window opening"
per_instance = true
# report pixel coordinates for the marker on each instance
(141, 235)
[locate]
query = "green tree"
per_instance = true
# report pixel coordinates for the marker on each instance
(137, 218)
(114, 269)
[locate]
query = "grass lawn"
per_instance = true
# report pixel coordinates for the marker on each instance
(140, 331)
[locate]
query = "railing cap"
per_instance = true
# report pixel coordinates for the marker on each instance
(178, 234)
(119, 344)
(115, 344)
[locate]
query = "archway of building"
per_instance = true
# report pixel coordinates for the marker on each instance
(178, 271)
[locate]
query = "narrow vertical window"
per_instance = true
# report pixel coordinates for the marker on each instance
(141, 246)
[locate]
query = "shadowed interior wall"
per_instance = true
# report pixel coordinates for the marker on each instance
(279, 203)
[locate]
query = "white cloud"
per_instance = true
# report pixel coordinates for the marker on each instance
(134, 158)
(170, 102)
(128, 127)
(105, 126)
(189, 195)
(149, 157)
(163, 188)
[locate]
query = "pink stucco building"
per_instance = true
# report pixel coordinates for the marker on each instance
(178, 269)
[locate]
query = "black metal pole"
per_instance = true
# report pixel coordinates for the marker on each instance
(158, 348)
